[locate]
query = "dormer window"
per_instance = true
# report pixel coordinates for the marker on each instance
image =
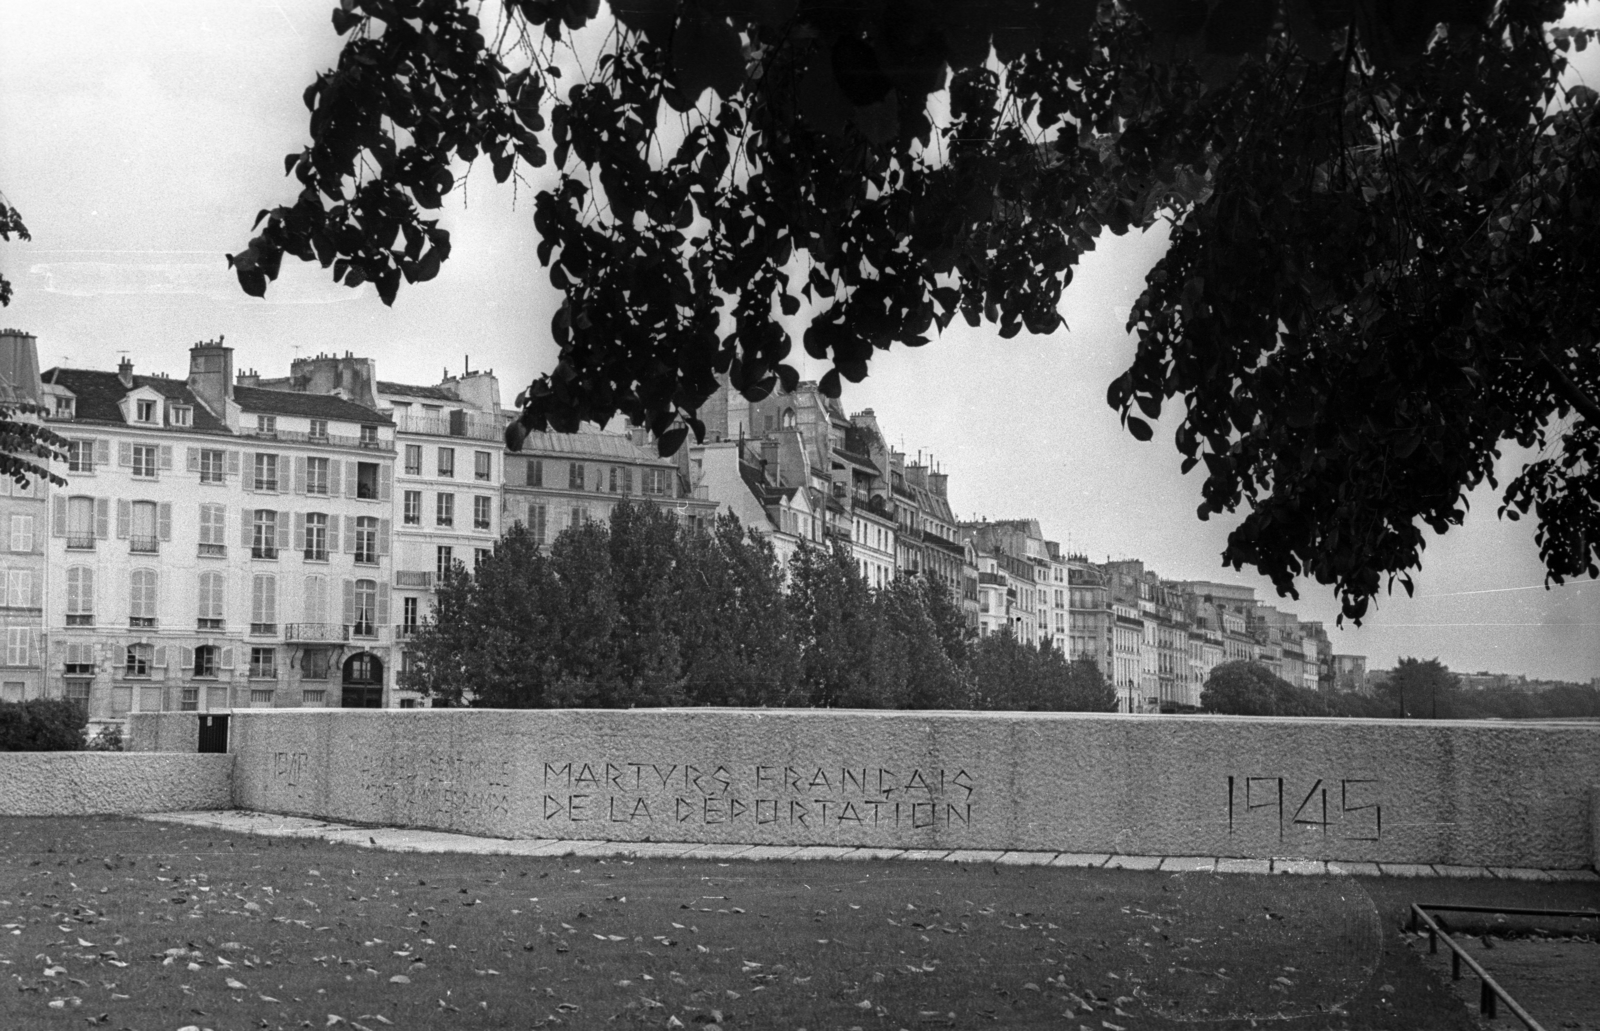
(145, 411)
(319, 429)
(182, 415)
(369, 436)
(65, 407)
(267, 425)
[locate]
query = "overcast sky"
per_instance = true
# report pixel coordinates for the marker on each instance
(140, 137)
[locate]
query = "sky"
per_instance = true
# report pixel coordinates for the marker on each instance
(139, 138)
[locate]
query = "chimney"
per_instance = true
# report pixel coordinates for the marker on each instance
(19, 366)
(252, 378)
(938, 484)
(211, 375)
(125, 373)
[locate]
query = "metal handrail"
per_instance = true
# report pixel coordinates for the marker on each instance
(1489, 991)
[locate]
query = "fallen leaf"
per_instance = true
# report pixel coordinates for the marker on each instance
(399, 979)
(236, 984)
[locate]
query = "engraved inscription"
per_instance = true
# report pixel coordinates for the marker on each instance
(1348, 808)
(443, 786)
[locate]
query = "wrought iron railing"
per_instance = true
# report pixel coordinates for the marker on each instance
(315, 633)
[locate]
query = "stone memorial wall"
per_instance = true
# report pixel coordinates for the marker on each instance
(1489, 793)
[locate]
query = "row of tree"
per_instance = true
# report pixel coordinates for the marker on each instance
(642, 611)
(1416, 689)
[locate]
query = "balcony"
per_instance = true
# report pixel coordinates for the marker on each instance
(263, 630)
(209, 623)
(80, 541)
(413, 578)
(213, 551)
(141, 545)
(471, 425)
(315, 633)
(330, 439)
(405, 631)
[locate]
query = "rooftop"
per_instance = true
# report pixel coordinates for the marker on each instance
(97, 395)
(314, 406)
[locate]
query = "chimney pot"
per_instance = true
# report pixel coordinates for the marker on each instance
(125, 372)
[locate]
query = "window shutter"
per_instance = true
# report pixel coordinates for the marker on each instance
(185, 657)
(58, 516)
(233, 463)
(247, 517)
(124, 452)
(349, 479)
(333, 535)
(164, 520)
(192, 459)
(161, 657)
(124, 517)
(300, 531)
(385, 482)
(227, 657)
(299, 474)
(384, 529)
(286, 474)
(36, 596)
(35, 649)
(102, 518)
(334, 466)
(383, 603)
(164, 456)
(349, 602)
(102, 452)
(283, 531)
(349, 536)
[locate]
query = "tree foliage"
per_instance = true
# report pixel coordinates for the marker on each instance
(642, 611)
(26, 448)
(1383, 223)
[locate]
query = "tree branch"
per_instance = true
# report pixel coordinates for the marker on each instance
(1568, 390)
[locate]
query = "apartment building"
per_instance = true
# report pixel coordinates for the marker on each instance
(24, 515)
(215, 547)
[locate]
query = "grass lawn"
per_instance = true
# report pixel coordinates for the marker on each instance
(126, 924)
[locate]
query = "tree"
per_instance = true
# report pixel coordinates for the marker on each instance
(644, 551)
(1422, 689)
(1242, 688)
(834, 621)
(913, 663)
(23, 440)
(1408, 182)
(1086, 689)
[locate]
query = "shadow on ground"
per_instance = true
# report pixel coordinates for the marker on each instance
(127, 924)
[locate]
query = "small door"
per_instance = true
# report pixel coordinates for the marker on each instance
(213, 733)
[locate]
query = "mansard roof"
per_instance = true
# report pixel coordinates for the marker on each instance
(98, 393)
(314, 406)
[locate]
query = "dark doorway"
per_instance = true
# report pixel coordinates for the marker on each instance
(363, 682)
(214, 734)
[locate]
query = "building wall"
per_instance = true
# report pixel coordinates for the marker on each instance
(112, 783)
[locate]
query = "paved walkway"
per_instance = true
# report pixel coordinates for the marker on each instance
(395, 839)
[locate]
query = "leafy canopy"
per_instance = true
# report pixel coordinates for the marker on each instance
(1382, 248)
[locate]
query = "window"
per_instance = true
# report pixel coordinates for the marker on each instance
(22, 533)
(536, 522)
(19, 646)
(142, 594)
(442, 561)
(263, 664)
(621, 480)
(367, 480)
(18, 585)
(144, 460)
(413, 459)
(315, 663)
(788, 418)
(145, 411)
(136, 660)
(81, 523)
(319, 429)
(316, 549)
(264, 534)
(266, 471)
(213, 527)
(580, 515)
(445, 510)
(447, 462)
(267, 425)
(182, 415)
(264, 604)
(366, 546)
(366, 611)
(482, 511)
(535, 473)
(212, 587)
(212, 465)
(316, 476)
(479, 557)
(142, 534)
(482, 465)
(64, 407)
(653, 481)
(315, 607)
(78, 691)
(411, 509)
(80, 456)
(369, 436)
(408, 615)
(80, 659)
(575, 475)
(80, 596)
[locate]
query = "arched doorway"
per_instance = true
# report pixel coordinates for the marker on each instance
(362, 682)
